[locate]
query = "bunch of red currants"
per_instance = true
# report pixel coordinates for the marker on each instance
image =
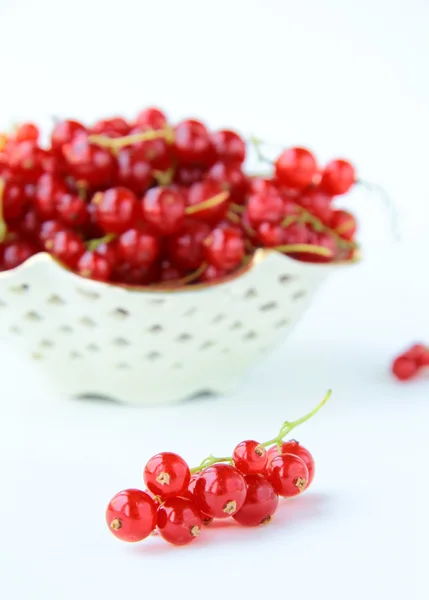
(410, 363)
(147, 203)
(246, 486)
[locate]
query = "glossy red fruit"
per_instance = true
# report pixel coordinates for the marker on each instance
(193, 145)
(64, 132)
(338, 177)
(189, 494)
(250, 457)
(113, 127)
(117, 209)
(324, 240)
(224, 248)
(94, 266)
(48, 189)
(48, 229)
(265, 208)
(188, 175)
(212, 274)
(295, 448)
(164, 210)
(230, 178)
(270, 234)
(344, 224)
(404, 368)
(185, 249)
(229, 146)
(260, 504)
(14, 200)
(72, 210)
(295, 168)
(296, 233)
(151, 118)
(131, 515)
(170, 272)
(288, 475)
(167, 475)
(17, 252)
(138, 248)
(29, 225)
(89, 163)
(26, 160)
(109, 251)
(220, 491)
(261, 185)
(134, 171)
(201, 192)
(419, 353)
(179, 521)
(158, 152)
(67, 246)
(318, 204)
(26, 132)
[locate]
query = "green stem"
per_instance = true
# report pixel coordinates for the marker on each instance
(257, 143)
(3, 227)
(93, 244)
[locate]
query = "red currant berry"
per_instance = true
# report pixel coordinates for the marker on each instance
(212, 274)
(26, 160)
(344, 224)
(157, 152)
(29, 225)
(324, 240)
(167, 475)
(170, 272)
(318, 204)
(151, 118)
(66, 246)
(259, 185)
(250, 457)
(48, 229)
(288, 475)
(49, 188)
(230, 178)
(138, 248)
(295, 168)
(89, 163)
(265, 208)
(270, 234)
(94, 266)
(338, 177)
(420, 354)
(109, 251)
(64, 132)
(224, 248)
(404, 368)
(135, 276)
(229, 146)
(260, 504)
(201, 192)
(27, 132)
(188, 175)
(193, 145)
(131, 515)
(72, 210)
(296, 233)
(14, 200)
(134, 171)
(295, 448)
(116, 209)
(113, 127)
(220, 491)
(17, 252)
(179, 521)
(164, 210)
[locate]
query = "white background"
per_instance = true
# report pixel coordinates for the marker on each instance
(345, 78)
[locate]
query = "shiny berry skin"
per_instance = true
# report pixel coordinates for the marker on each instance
(26, 132)
(295, 448)
(229, 146)
(296, 233)
(419, 353)
(324, 240)
(48, 229)
(192, 145)
(17, 252)
(116, 209)
(265, 208)
(260, 504)
(212, 274)
(67, 246)
(157, 153)
(318, 204)
(26, 160)
(170, 272)
(338, 177)
(131, 515)
(48, 189)
(404, 368)
(109, 251)
(89, 163)
(344, 224)
(201, 192)
(220, 491)
(134, 171)
(188, 175)
(72, 210)
(295, 168)
(29, 225)
(179, 521)
(151, 118)
(167, 475)
(94, 266)
(250, 458)
(113, 127)
(230, 178)
(138, 248)
(259, 185)
(64, 132)
(270, 234)
(224, 248)
(288, 475)
(164, 210)
(14, 200)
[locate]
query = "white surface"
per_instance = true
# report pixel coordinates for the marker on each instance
(346, 78)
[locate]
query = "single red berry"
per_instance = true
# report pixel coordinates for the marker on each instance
(116, 209)
(138, 248)
(109, 251)
(49, 188)
(270, 234)
(220, 491)
(288, 475)
(212, 274)
(164, 210)
(179, 521)
(94, 266)
(48, 229)
(170, 272)
(230, 178)
(338, 177)
(67, 246)
(167, 475)
(64, 132)
(72, 210)
(204, 191)
(263, 186)
(250, 457)
(229, 146)
(260, 504)
(113, 127)
(265, 208)
(295, 448)
(157, 152)
(151, 118)
(29, 225)
(131, 515)
(296, 233)
(17, 252)
(89, 163)
(295, 168)
(318, 204)
(26, 160)
(404, 368)
(224, 248)
(192, 145)
(344, 224)
(134, 171)
(419, 353)
(188, 175)
(14, 200)
(27, 132)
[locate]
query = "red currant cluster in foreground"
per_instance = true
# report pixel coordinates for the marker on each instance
(146, 202)
(245, 486)
(411, 362)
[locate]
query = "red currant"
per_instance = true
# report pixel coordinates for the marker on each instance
(13, 200)
(138, 248)
(295, 168)
(270, 234)
(295, 448)
(211, 274)
(296, 233)
(64, 132)
(230, 178)
(259, 185)
(157, 152)
(151, 118)
(229, 146)
(27, 132)
(170, 272)
(141, 276)
(49, 188)
(344, 224)
(94, 266)
(113, 127)
(193, 145)
(164, 210)
(201, 192)
(260, 504)
(116, 209)
(318, 204)
(29, 225)
(188, 175)
(179, 521)
(250, 457)
(109, 251)
(420, 354)
(265, 208)
(67, 246)
(288, 475)
(17, 252)
(48, 229)
(89, 163)
(220, 491)
(338, 177)
(167, 475)
(72, 210)
(131, 515)
(134, 171)
(404, 368)
(26, 160)
(224, 248)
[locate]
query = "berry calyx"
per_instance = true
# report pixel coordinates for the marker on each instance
(131, 515)
(166, 475)
(260, 504)
(178, 521)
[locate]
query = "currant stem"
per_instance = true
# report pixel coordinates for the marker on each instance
(307, 248)
(93, 244)
(209, 203)
(166, 133)
(257, 143)
(3, 227)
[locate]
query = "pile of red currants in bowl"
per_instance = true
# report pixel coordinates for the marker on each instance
(246, 486)
(151, 203)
